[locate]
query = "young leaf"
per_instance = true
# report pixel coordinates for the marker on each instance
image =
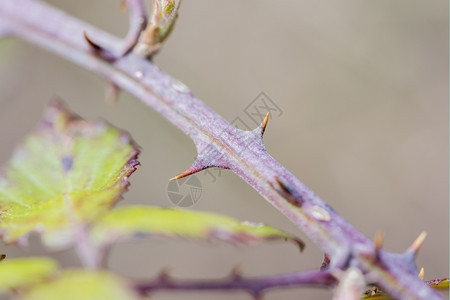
(163, 16)
(137, 221)
(86, 285)
(16, 273)
(64, 176)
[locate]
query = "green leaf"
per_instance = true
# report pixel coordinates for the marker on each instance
(140, 221)
(16, 273)
(83, 285)
(64, 176)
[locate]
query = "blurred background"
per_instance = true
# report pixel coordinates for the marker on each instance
(363, 90)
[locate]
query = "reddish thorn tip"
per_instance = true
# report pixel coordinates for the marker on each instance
(181, 175)
(187, 172)
(264, 122)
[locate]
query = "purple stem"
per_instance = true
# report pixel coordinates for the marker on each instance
(138, 21)
(253, 286)
(218, 143)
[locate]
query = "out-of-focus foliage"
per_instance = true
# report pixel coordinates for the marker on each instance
(82, 284)
(63, 182)
(65, 175)
(139, 221)
(22, 272)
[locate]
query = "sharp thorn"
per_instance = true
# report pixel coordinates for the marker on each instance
(415, 246)
(301, 245)
(197, 166)
(236, 272)
(181, 175)
(421, 273)
(264, 123)
(202, 162)
(91, 43)
(164, 275)
(185, 173)
(99, 50)
(378, 240)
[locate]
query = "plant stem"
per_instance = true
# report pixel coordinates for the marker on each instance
(218, 143)
(253, 286)
(88, 255)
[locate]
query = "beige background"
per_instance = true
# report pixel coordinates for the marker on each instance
(363, 86)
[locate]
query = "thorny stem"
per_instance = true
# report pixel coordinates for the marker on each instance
(253, 286)
(218, 143)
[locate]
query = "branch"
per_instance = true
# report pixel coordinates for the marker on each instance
(138, 21)
(218, 144)
(235, 282)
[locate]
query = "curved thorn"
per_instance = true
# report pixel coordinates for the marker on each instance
(421, 273)
(102, 52)
(264, 123)
(91, 43)
(415, 246)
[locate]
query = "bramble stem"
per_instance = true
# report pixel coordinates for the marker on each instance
(253, 286)
(218, 143)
